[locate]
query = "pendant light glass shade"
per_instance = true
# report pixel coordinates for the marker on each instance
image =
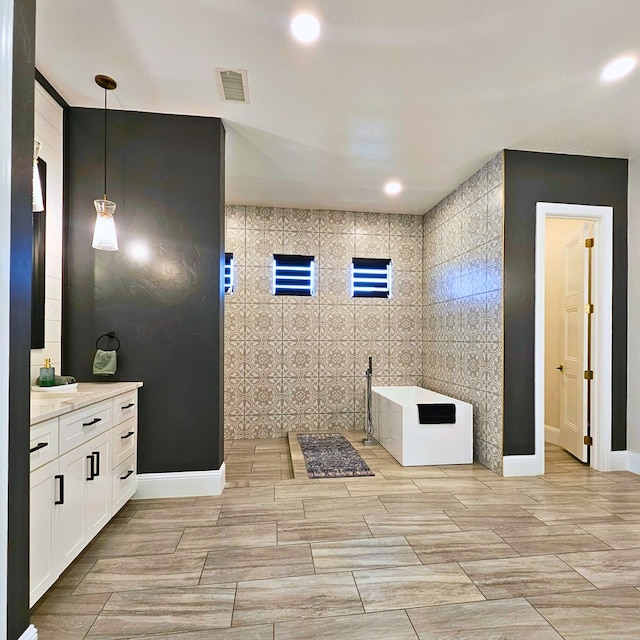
(104, 234)
(37, 199)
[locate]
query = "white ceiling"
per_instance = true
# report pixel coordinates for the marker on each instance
(424, 91)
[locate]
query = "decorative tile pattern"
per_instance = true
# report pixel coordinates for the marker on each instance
(441, 327)
(462, 313)
(298, 363)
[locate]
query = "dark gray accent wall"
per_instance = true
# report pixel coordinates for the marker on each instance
(20, 317)
(165, 174)
(542, 177)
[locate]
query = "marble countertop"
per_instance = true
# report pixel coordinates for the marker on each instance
(51, 404)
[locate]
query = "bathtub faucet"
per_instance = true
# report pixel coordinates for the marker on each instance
(368, 424)
(369, 371)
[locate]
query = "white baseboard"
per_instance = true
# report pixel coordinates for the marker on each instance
(625, 461)
(520, 466)
(30, 634)
(180, 485)
(551, 434)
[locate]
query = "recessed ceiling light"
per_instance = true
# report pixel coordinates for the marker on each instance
(305, 27)
(618, 68)
(392, 188)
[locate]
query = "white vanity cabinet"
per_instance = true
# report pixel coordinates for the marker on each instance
(43, 563)
(83, 470)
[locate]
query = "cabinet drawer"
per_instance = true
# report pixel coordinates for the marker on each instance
(43, 443)
(80, 426)
(124, 483)
(124, 441)
(125, 406)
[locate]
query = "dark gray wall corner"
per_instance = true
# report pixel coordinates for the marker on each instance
(19, 318)
(165, 174)
(543, 177)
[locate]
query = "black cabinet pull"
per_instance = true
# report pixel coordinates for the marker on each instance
(92, 471)
(88, 424)
(97, 455)
(61, 478)
(127, 436)
(40, 445)
(126, 475)
(128, 406)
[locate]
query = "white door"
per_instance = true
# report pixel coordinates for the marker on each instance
(573, 425)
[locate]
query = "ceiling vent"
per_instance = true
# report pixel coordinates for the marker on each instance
(234, 85)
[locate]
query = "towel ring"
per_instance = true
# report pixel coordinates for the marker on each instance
(110, 335)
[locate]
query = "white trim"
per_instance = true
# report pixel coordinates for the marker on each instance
(633, 461)
(520, 466)
(551, 434)
(30, 634)
(180, 484)
(619, 460)
(602, 345)
(6, 89)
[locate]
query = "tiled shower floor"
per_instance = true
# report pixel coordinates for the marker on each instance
(428, 552)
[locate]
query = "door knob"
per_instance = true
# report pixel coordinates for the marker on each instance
(560, 368)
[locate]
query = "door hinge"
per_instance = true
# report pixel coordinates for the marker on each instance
(588, 243)
(588, 375)
(588, 440)
(589, 308)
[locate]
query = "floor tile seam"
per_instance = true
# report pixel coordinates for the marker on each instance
(580, 526)
(541, 593)
(543, 616)
(406, 613)
(342, 572)
(580, 572)
(355, 582)
(517, 553)
(233, 606)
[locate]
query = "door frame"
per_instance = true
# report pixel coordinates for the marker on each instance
(602, 217)
(6, 89)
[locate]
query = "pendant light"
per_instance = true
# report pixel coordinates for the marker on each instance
(104, 234)
(37, 199)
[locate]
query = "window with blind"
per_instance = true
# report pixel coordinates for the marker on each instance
(370, 278)
(229, 280)
(293, 275)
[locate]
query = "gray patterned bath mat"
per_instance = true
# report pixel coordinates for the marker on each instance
(330, 455)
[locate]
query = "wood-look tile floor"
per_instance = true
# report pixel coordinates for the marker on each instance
(437, 553)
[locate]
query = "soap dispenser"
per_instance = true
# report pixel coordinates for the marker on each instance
(47, 374)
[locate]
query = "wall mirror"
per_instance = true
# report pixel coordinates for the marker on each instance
(38, 274)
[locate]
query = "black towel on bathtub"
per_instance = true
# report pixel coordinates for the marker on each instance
(444, 413)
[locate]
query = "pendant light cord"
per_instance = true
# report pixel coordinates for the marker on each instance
(105, 144)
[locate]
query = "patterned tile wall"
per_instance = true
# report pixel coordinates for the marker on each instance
(463, 257)
(298, 363)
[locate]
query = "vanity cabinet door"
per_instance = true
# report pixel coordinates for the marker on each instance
(86, 508)
(98, 491)
(70, 531)
(43, 564)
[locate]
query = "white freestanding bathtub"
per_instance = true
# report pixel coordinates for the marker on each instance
(396, 421)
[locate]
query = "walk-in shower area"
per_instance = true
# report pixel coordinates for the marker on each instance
(298, 362)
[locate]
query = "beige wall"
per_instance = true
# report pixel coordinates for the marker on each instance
(48, 130)
(556, 230)
(298, 363)
(463, 257)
